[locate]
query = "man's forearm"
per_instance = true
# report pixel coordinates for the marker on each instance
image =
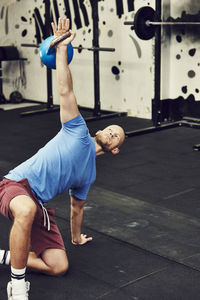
(68, 104)
(76, 224)
(64, 77)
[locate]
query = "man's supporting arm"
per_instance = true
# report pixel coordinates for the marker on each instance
(77, 211)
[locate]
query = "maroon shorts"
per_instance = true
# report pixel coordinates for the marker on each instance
(41, 238)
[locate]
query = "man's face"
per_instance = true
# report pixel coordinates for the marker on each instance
(110, 138)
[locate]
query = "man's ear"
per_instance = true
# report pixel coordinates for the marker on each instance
(115, 151)
(98, 132)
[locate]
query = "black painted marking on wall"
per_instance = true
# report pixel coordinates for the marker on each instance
(179, 38)
(197, 91)
(115, 70)
(6, 21)
(2, 11)
(42, 29)
(39, 22)
(48, 19)
(79, 6)
(77, 18)
(184, 89)
(131, 6)
(178, 56)
(37, 32)
(191, 74)
(120, 8)
(110, 33)
(84, 12)
(192, 52)
(51, 20)
(23, 19)
(55, 5)
(68, 11)
(24, 32)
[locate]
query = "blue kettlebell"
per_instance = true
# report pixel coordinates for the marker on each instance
(48, 56)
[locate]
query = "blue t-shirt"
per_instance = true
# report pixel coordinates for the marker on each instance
(67, 162)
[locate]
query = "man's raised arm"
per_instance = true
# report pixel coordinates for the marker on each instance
(68, 104)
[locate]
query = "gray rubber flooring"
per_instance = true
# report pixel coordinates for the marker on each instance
(143, 213)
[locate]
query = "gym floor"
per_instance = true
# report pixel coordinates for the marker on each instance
(143, 213)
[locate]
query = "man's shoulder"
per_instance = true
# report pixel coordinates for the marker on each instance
(74, 122)
(76, 127)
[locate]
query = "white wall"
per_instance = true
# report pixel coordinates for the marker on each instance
(180, 70)
(131, 90)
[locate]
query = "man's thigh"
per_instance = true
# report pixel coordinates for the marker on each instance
(15, 192)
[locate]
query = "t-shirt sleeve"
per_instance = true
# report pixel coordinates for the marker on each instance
(81, 192)
(76, 124)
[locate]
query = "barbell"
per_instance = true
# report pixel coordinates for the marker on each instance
(145, 22)
(47, 50)
(80, 48)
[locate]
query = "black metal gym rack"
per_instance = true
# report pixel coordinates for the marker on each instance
(7, 53)
(97, 112)
(156, 102)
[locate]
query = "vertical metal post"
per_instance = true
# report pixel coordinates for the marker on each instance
(1, 85)
(95, 43)
(156, 102)
(49, 88)
(49, 71)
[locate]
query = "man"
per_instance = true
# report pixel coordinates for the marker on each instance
(67, 162)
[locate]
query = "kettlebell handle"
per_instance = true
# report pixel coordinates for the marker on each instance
(59, 39)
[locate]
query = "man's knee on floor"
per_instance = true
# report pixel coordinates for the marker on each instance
(59, 269)
(56, 260)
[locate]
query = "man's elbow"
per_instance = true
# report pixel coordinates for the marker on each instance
(65, 92)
